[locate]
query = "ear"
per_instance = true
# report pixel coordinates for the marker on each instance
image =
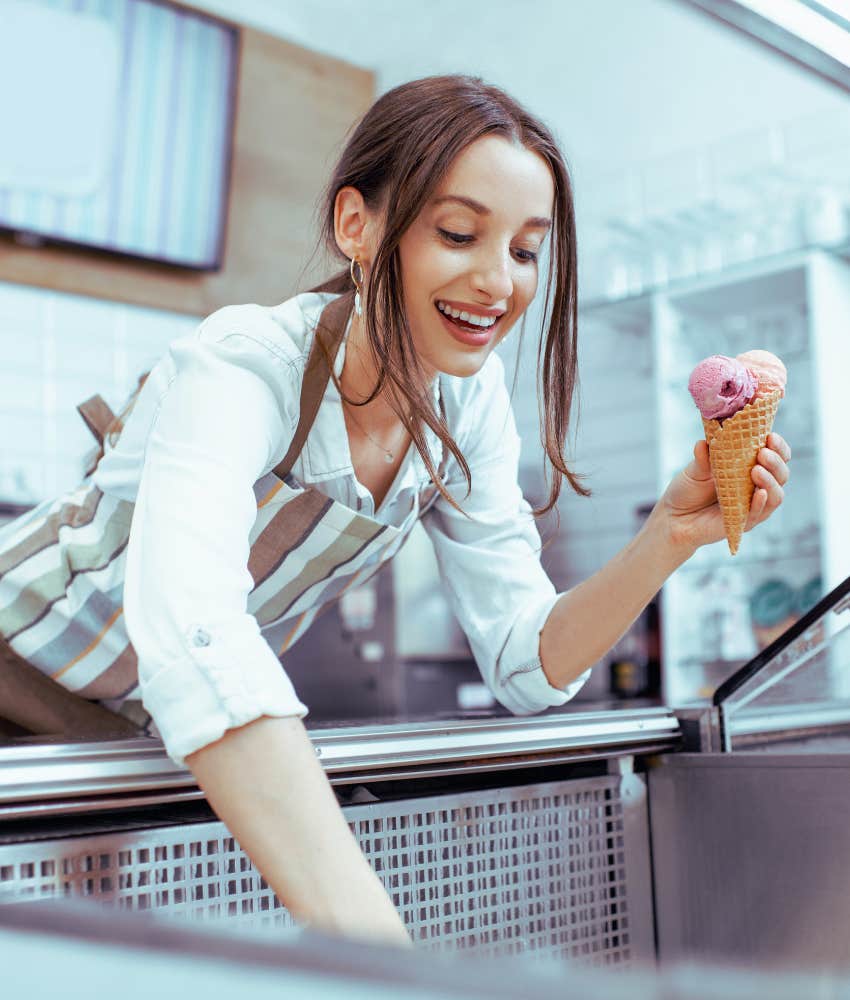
(354, 225)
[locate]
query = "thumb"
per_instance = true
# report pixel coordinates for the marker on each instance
(700, 468)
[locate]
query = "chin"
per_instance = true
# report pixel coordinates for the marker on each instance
(464, 367)
(460, 364)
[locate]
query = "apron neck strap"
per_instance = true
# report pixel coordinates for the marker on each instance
(326, 340)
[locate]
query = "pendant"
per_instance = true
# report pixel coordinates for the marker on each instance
(389, 458)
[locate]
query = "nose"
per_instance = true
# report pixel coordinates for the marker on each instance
(492, 276)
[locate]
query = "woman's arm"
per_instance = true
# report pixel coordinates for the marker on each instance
(225, 407)
(587, 620)
(590, 618)
(264, 782)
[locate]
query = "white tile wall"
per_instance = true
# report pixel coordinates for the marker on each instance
(611, 442)
(55, 351)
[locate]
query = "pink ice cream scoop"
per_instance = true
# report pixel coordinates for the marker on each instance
(768, 369)
(721, 386)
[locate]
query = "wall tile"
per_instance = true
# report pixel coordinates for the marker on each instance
(56, 350)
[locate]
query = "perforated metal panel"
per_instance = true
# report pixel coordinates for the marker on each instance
(551, 868)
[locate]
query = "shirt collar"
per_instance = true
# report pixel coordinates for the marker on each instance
(326, 451)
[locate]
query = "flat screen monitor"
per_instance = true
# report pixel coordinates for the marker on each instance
(116, 120)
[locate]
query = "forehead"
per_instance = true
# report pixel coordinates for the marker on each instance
(504, 176)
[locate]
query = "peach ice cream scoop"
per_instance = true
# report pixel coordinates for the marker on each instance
(768, 369)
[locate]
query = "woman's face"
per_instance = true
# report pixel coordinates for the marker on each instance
(474, 249)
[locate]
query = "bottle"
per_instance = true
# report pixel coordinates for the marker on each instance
(635, 665)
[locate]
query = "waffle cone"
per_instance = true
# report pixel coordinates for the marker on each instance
(733, 447)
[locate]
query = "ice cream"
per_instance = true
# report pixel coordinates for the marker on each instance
(737, 399)
(721, 386)
(768, 369)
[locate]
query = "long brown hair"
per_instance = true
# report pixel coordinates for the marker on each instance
(396, 157)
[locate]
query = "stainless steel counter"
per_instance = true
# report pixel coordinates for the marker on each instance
(41, 778)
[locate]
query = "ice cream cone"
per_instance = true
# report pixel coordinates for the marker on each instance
(733, 447)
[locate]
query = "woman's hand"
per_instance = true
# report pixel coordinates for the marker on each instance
(689, 503)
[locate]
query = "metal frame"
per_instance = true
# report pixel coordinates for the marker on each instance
(746, 18)
(48, 779)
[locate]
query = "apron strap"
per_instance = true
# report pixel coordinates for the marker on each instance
(327, 338)
(97, 416)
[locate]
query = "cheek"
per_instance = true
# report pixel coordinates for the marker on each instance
(426, 263)
(525, 286)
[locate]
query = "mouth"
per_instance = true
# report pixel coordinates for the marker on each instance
(470, 334)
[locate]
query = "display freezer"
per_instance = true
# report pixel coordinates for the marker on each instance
(492, 833)
(603, 835)
(751, 824)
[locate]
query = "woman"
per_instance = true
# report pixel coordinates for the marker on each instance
(280, 455)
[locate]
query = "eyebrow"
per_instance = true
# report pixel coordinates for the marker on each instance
(535, 222)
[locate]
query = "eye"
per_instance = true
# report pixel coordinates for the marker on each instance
(460, 239)
(457, 238)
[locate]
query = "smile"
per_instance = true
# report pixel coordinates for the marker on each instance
(468, 328)
(466, 317)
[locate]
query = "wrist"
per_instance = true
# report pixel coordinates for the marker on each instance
(672, 545)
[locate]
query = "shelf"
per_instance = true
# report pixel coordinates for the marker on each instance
(737, 561)
(636, 309)
(781, 281)
(699, 290)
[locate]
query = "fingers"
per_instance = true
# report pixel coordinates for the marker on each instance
(758, 508)
(767, 481)
(770, 474)
(779, 445)
(771, 462)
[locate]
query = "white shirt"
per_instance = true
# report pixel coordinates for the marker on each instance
(218, 412)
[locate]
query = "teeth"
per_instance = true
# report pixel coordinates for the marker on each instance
(467, 317)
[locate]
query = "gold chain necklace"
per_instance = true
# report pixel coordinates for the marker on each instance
(389, 456)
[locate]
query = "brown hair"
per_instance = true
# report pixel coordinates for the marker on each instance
(396, 157)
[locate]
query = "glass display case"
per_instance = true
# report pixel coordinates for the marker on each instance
(796, 692)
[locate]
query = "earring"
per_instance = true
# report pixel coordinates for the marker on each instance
(358, 304)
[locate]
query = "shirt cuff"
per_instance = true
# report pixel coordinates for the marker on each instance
(225, 680)
(524, 688)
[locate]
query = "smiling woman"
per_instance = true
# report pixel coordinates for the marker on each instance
(487, 247)
(279, 456)
(446, 221)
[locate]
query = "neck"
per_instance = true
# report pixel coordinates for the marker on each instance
(360, 376)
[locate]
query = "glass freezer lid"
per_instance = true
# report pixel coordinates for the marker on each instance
(799, 682)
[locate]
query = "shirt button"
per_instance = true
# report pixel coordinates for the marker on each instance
(200, 637)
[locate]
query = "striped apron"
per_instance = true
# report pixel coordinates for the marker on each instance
(66, 662)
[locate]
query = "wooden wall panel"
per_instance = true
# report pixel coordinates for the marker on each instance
(293, 110)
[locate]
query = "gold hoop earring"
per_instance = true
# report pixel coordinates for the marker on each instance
(358, 302)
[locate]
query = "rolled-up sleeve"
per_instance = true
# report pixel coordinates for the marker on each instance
(204, 666)
(490, 561)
